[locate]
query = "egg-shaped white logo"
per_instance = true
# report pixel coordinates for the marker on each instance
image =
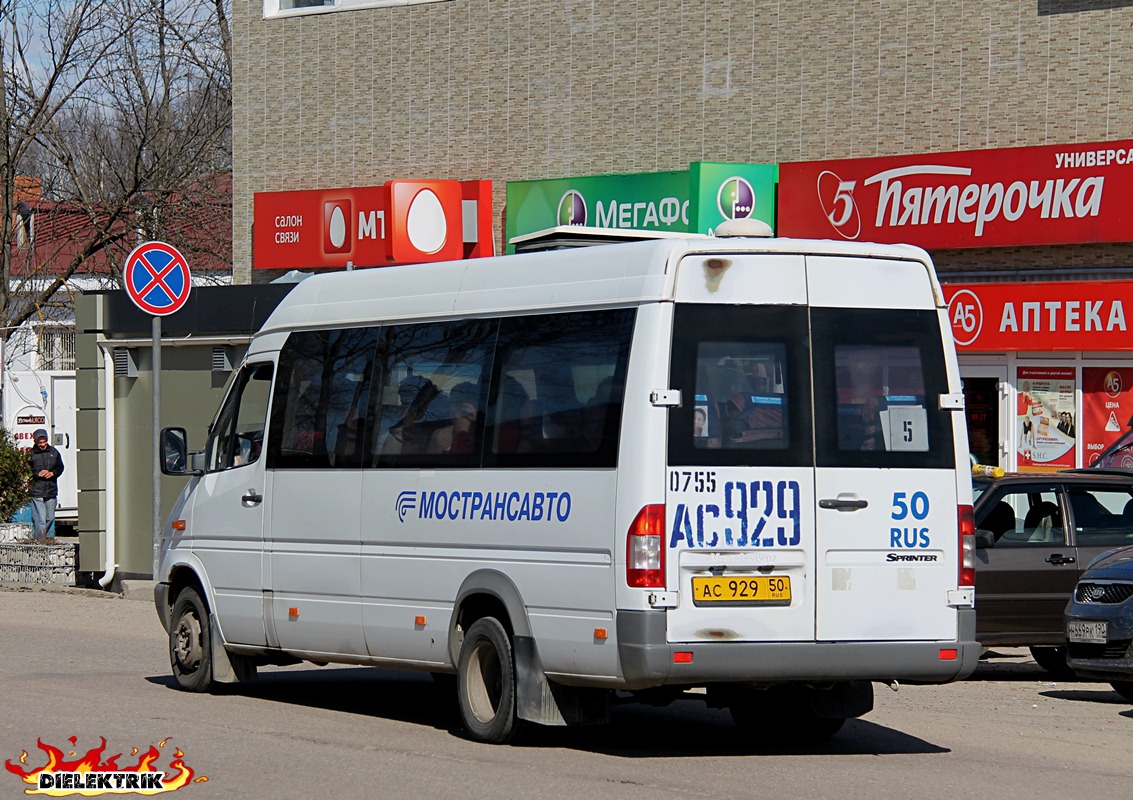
(337, 228)
(425, 223)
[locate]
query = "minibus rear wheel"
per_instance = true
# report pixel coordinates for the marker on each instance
(485, 684)
(190, 642)
(781, 716)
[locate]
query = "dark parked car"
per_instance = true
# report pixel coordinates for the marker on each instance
(1119, 454)
(1099, 622)
(1035, 532)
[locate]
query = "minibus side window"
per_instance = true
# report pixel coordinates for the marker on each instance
(237, 436)
(434, 382)
(558, 389)
(322, 399)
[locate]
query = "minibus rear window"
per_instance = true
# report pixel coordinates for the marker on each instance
(878, 377)
(743, 373)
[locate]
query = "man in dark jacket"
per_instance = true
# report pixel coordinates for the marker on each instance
(46, 467)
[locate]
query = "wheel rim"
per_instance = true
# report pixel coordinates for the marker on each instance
(485, 682)
(187, 642)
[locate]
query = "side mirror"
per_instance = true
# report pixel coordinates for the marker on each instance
(174, 452)
(985, 538)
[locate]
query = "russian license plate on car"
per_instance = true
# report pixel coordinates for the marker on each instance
(1092, 631)
(742, 590)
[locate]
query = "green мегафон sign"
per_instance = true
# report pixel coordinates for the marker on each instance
(693, 201)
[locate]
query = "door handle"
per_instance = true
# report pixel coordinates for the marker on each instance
(1058, 558)
(253, 498)
(839, 504)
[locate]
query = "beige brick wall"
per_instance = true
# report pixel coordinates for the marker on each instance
(519, 89)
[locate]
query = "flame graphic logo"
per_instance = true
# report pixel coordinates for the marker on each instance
(62, 776)
(406, 502)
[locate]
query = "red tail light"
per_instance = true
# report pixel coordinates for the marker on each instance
(967, 526)
(645, 549)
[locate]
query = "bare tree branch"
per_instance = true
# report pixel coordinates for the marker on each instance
(117, 118)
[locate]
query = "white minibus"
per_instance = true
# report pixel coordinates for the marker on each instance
(584, 476)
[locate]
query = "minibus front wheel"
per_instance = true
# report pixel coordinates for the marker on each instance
(190, 642)
(486, 683)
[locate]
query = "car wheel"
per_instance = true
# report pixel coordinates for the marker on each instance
(190, 642)
(1053, 660)
(486, 685)
(1123, 688)
(779, 717)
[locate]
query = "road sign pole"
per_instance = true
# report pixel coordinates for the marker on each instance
(156, 444)
(157, 279)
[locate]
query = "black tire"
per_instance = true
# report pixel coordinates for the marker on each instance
(781, 716)
(485, 685)
(1123, 688)
(190, 642)
(1053, 660)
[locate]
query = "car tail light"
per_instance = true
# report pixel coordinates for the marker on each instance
(967, 526)
(645, 548)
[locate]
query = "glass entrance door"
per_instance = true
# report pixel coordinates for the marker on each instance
(986, 413)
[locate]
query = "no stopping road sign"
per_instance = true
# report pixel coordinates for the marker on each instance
(157, 278)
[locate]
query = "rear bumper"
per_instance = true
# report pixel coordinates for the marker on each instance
(647, 659)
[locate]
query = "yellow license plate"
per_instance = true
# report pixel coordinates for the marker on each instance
(745, 590)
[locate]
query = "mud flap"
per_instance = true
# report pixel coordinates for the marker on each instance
(539, 700)
(224, 668)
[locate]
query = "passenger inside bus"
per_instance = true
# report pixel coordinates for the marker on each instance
(411, 433)
(459, 435)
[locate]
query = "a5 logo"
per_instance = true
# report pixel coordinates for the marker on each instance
(967, 316)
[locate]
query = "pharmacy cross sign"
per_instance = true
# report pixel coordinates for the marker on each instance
(157, 278)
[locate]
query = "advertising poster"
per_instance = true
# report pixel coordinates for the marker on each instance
(1045, 417)
(1107, 405)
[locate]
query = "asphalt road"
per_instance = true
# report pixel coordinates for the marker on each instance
(88, 665)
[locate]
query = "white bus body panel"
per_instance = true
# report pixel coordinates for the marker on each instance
(885, 570)
(226, 536)
(549, 533)
(313, 560)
